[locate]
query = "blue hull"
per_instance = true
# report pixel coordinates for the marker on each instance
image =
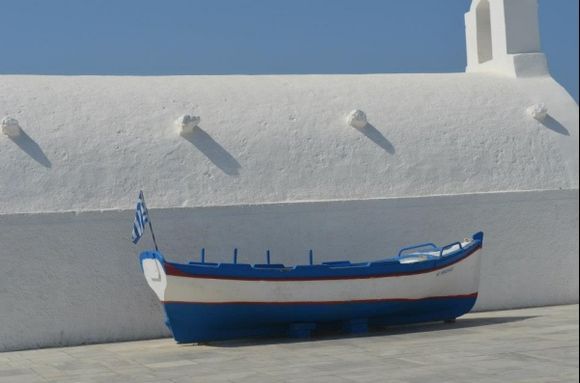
(205, 322)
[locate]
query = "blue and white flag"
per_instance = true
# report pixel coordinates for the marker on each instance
(141, 219)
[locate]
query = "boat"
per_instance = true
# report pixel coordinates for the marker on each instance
(205, 301)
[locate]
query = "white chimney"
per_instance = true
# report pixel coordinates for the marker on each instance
(503, 37)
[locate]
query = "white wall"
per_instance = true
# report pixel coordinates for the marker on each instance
(72, 278)
(95, 141)
(522, 29)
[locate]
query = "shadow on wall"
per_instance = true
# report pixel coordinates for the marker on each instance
(552, 124)
(377, 137)
(31, 148)
(213, 151)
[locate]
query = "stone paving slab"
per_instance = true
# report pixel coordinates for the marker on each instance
(529, 346)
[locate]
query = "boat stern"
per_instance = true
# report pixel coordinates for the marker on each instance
(478, 237)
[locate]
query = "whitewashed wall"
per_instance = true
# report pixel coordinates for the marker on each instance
(73, 278)
(92, 142)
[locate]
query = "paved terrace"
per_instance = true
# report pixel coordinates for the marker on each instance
(531, 345)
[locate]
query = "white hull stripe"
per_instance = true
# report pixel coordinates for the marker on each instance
(455, 280)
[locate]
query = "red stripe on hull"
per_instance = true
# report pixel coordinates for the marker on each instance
(473, 295)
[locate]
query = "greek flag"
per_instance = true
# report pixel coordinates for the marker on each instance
(141, 218)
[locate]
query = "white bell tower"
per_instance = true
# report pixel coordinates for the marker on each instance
(503, 37)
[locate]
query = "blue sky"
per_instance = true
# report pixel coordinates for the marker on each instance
(146, 37)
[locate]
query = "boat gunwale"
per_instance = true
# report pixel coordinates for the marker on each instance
(375, 269)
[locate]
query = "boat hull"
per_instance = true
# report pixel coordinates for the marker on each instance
(205, 302)
(199, 322)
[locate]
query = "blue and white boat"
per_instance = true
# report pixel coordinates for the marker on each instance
(213, 301)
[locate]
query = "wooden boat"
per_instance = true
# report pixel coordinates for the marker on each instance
(211, 301)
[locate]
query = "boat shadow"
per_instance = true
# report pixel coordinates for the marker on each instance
(326, 335)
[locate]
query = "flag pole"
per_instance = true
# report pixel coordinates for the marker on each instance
(153, 235)
(150, 225)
